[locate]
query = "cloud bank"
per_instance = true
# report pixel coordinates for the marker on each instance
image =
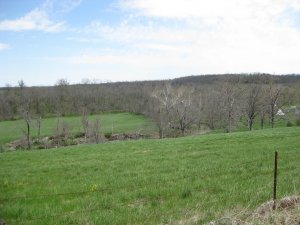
(37, 19)
(142, 39)
(197, 36)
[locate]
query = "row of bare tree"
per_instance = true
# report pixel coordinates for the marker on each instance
(223, 105)
(177, 106)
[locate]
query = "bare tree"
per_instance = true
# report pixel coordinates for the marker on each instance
(95, 131)
(211, 109)
(262, 113)
(27, 132)
(85, 123)
(63, 133)
(252, 103)
(63, 100)
(57, 123)
(21, 84)
(25, 113)
(175, 109)
(157, 113)
(220, 105)
(230, 93)
(62, 82)
(184, 109)
(39, 124)
(273, 92)
(162, 106)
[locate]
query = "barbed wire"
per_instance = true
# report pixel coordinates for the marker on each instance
(98, 190)
(84, 211)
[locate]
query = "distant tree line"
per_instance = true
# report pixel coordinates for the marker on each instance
(177, 106)
(64, 99)
(226, 103)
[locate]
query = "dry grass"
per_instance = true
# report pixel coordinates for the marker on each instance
(189, 221)
(190, 218)
(287, 213)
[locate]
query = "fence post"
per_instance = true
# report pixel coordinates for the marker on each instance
(275, 180)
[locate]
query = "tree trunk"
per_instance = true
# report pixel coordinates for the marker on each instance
(273, 119)
(160, 131)
(28, 135)
(250, 123)
(229, 122)
(39, 121)
(183, 131)
(262, 122)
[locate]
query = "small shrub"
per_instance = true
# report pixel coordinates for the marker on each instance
(289, 124)
(298, 122)
(107, 135)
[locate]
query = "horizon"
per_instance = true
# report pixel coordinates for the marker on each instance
(42, 42)
(87, 81)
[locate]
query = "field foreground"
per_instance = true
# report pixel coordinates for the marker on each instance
(190, 180)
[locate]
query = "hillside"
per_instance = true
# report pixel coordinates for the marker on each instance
(186, 180)
(178, 107)
(288, 79)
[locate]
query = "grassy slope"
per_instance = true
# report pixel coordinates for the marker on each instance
(121, 122)
(148, 181)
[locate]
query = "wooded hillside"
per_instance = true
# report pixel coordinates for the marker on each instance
(178, 105)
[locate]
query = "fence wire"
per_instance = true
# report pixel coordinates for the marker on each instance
(101, 190)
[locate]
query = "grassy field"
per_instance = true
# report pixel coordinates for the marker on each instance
(172, 181)
(116, 122)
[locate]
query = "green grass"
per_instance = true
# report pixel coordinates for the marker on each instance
(148, 181)
(116, 122)
(280, 122)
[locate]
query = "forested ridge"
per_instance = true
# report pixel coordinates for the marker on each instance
(177, 106)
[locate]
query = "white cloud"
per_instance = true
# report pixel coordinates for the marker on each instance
(182, 37)
(209, 10)
(94, 59)
(37, 19)
(213, 36)
(61, 6)
(3, 46)
(68, 5)
(135, 33)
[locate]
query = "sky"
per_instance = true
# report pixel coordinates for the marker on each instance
(128, 40)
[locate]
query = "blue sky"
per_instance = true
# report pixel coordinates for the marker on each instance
(124, 40)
